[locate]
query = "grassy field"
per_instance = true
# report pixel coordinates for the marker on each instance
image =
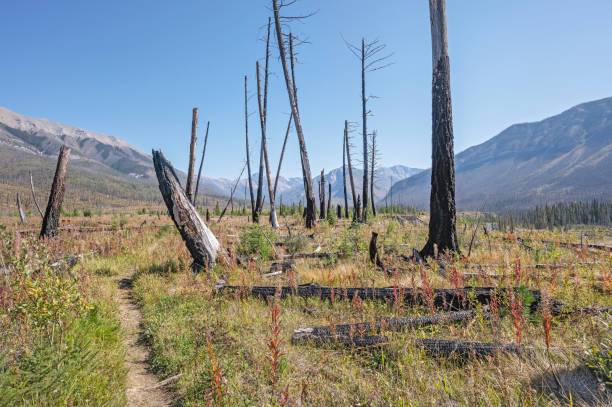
(61, 339)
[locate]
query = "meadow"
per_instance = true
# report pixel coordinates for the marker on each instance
(63, 342)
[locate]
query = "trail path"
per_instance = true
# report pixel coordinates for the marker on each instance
(141, 383)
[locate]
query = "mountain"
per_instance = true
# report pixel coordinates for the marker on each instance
(384, 177)
(567, 157)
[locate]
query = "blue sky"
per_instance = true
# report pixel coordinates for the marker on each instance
(135, 69)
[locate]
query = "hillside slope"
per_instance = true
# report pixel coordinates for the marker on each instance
(566, 157)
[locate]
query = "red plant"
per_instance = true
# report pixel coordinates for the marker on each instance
(547, 325)
(428, 291)
(274, 343)
(517, 315)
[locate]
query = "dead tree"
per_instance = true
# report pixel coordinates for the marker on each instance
(442, 210)
(248, 155)
(192, 151)
(322, 195)
(34, 196)
(21, 214)
(350, 171)
(201, 164)
(51, 219)
(329, 197)
(290, 85)
(230, 200)
(369, 54)
(344, 177)
(263, 114)
(372, 172)
(200, 241)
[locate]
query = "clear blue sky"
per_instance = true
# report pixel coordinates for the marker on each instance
(135, 69)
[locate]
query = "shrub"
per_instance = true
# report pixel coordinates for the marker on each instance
(253, 242)
(295, 243)
(87, 213)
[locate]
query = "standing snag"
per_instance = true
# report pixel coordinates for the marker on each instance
(195, 198)
(322, 195)
(442, 211)
(192, 151)
(248, 155)
(21, 214)
(34, 196)
(51, 219)
(350, 171)
(290, 85)
(200, 241)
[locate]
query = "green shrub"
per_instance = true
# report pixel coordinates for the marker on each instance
(295, 243)
(87, 213)
(253, 242)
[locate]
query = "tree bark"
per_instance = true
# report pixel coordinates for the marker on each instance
(34, 196)
(344, 176)
(364, 116)
(200, 241)
(350, 170)
(308, 187)
(192, 152)
(195, 198)
(21, 214)
(282, 155)
(51, 219)
(329, 196)
(248, 155)
(442, 222)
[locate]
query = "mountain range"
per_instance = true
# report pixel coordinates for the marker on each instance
(567, 157)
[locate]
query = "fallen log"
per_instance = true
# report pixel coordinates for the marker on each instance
(51, 219)
(434, 347)
(311, 255)
(447, 298)
(385, 324)
(200, 241)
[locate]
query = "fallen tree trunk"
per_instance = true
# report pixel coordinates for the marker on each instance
(200, 241)
(434, 347)
(311, 255)
(385, 324)
(51, 219)
(448, 298)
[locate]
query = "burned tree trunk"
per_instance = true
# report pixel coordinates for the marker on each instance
(290, 84)
(21, 214)
(339, 211)
(192, 151)
(373, 163)
(329, 196)
(322, 195)
(374, 255)
(51, 219)
(231, 198)
(350, 171)
(248, 155)
(195, 198)
(34, 196)
(442, 222)
(200, 241)
(364, 129)
(344, 177)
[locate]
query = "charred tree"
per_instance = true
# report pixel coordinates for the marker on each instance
(442, 222)
(372, 172)
(192, 152)
(51, 219)
(231, 198)
(195, 198)
(322, 196)
(369, 55)
(200, 241)
(34, 196)
(21, 213)
(248, 155)
(344, 177)
(350, 170)
(290, 84)
(280, 161)
(329, 196)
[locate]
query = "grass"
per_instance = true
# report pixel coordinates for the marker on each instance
(221, 342)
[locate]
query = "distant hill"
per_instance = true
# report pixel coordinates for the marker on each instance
(567, 157)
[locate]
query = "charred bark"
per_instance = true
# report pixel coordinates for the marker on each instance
(374, 255)
(51, 219)
(372, 164)
(344, 177)
(192, 150)
(322, 195)
(442, 222)
(201, 243)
